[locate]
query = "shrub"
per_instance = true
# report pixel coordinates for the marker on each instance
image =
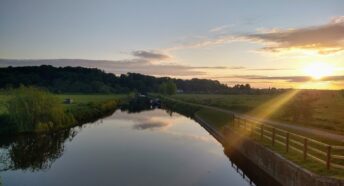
(34, 109)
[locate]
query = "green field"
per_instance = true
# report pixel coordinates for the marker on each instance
(327, 107)
(84, 108)
(88, 98)
(77, 99)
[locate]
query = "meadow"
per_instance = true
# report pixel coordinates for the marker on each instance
(325, 109)
(84, 108)
(77, 99)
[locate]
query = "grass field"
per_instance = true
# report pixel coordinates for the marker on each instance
(87, 98)
(327, 108)
(77, 99)
(76, 113)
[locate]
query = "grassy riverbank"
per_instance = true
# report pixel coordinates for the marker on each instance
(322, 108)
(84, 108)
(220, 120)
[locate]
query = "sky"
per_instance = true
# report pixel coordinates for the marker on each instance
(270, 43)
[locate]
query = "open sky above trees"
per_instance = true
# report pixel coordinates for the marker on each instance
(282, 44)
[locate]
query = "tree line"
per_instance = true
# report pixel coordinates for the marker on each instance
(91, 80)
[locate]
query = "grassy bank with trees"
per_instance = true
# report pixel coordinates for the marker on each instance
(31, 109)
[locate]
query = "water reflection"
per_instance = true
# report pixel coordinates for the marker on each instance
(153, 147)
(150, 125)
(137, 105)
(33, 152)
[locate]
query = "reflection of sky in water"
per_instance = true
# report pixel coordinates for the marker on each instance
(147, 148)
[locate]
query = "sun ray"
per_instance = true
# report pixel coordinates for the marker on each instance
(265, 110)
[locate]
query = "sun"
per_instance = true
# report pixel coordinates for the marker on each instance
(318, 70)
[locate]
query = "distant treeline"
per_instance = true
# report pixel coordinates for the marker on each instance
(91, 80)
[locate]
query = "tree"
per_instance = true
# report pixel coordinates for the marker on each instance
(34, 109)
(163, 88)
(171, 88)
(91, 80)
(168, 87)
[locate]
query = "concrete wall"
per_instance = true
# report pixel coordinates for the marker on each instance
(284, 171)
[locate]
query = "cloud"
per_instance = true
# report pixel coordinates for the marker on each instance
(150, 125)
(324, 39)
(270, 69)
(203, 42)
(118, 67)
(219, 29)
(220, 67)
(286, 78)
(152, 55)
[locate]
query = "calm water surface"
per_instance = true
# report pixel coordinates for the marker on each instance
(146, 148)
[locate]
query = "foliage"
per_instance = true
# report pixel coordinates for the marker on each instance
(88, 80)
(85, 108)
(168, 88)
(180, 107)
(34, 152)
(92, 80)
(88, 112)
(33, 109)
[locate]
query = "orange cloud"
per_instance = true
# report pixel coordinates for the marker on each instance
(324, 39)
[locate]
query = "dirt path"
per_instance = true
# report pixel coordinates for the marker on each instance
(306, 130)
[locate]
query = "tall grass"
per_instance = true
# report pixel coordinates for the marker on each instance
(34, 109)
(31, 109)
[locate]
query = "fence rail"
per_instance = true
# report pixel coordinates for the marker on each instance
(328, 155)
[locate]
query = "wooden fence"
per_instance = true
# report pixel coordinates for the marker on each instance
(328, 155)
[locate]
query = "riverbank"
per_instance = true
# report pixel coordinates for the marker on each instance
(221, 122)
(83, 109)
(323, 107)
(284, 171)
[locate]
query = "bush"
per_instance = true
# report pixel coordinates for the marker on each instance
(168, 88)
(180, 107)
(34, 109)
(92, 111)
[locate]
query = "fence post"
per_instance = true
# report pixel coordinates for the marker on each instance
(261, 132)
(273, 136)
(287, 142)
(305, 149)
(328, 161)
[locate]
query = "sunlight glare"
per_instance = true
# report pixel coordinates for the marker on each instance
(318, 70)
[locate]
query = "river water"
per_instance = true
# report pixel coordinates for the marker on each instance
(152, 147)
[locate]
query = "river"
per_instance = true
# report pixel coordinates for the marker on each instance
(151, 147)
